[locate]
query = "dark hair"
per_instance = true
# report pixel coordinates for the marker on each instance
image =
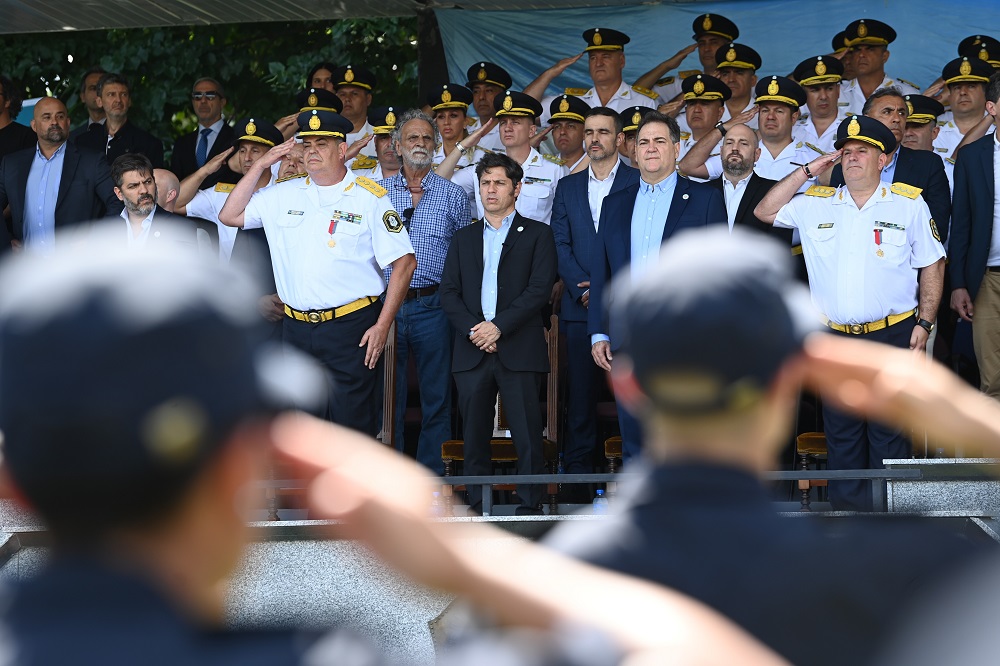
(492, 160)
(608, 113)
(114, 79)
(888, 91)
(130, 162)
(657, 117)
(209, 79)
(328, 66)
(13, 93)
(993, 89)
(96, 69)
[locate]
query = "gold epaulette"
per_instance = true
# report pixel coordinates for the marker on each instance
(685, 135)
(371, 186)
(820, 191)
(909, 83)
(576, 92)
(555, 160)
(688, 72)
(803, 118)
(224, 187)
(471, 120)
(364, 162)
(292, 177)
(908, 191)
(645, 92)
(812, 147)
(665, 81)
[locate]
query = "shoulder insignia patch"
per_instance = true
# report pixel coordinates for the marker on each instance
(934, 231)
(392, 222)
(665, 81)
(820, 191)
(371, 186)
(812, 147)
(803, 118)
(364, 162)
(224, 187)
(942, 123)
(798, 145)
(555, 160)
(908, 191)
(688, 72)
(576, 92)
(645, 91)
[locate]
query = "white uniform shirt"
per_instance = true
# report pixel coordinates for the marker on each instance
(374, 173)
(463, 160)
(207, 204)
(492, 139)
(804, 132)
(778, 167)
(949, 136)
(851, 283)
(366, 129)
(623, 98)
(713, 163)
(852, 98)
(537, 189)
(315, 269)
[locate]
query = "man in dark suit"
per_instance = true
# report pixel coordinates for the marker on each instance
(635, 221)
(497, 279)
(918, 168)
(576, 211)
(974, 252)
(79, 190)
(115, 97)
(213, 135)
(146, 223)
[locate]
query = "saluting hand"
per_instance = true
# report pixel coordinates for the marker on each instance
(540, 136)
(565, 63)
(274, 155)
(355, 148)
(474, 138)
(216, 162)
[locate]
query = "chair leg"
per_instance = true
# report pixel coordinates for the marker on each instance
(553, 489)
(804, 484)
(613, 464)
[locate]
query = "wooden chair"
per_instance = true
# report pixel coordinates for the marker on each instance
(502, 449)
(810, 447)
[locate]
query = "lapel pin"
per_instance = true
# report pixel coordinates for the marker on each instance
(684, 196)
(156, 234)
(520, 228)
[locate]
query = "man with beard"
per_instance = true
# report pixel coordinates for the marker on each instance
(576, 212)
(120, 136)
(145, 222)
(566, 120)
(820, 78)
(55, 184)
(868, 41)
(433, 209)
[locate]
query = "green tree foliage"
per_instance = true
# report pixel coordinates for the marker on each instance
(262, 65)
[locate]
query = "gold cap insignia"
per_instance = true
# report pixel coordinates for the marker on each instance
(481, 75)
(965, 69)
(707, 23)
(854, 128)
(820, 67)
(445, 96)
(636, 118)
(314, 123)
(699, 87)
(598, 40)
(508, 103)
(313, 100)
(250, 128)
(862, 30)
(731, 54)
(390, 118)
(563, 105)
(772, 87)
(909, 108)
(984, 54)
(349, 76)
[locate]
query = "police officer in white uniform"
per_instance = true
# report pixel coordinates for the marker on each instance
(816, 129)
(386, 161)
(966, 79)
(566, 116)
(516, 112)
(704, 102)
(486, 81)
(737, 65)
(330, 236)
(450, 109)
(354, 86)
(922, 129)
(868, 39)
(711, 31)
(876, 266)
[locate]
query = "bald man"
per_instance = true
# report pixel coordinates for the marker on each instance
(33, 182)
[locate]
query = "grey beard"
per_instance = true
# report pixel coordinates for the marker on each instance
(737, 169)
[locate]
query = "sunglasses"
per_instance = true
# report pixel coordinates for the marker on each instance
(198, 96)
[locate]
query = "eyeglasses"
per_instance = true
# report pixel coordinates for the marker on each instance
(210, 96)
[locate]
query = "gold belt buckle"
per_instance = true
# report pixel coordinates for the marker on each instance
(314, 318)
(857, 329)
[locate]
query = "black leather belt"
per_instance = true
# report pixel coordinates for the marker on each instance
(993, 269)
(420, 292)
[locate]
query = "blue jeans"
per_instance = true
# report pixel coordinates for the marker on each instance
(423, 329)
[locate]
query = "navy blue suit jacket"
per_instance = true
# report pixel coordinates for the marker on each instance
(573, 228)
(694, 205)
(923, 169)
(972, 219)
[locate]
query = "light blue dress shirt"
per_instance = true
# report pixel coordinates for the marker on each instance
(890, 169)
(40, 199)
(493, 240)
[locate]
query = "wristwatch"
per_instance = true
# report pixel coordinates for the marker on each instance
(924, 324)
(722, 128)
